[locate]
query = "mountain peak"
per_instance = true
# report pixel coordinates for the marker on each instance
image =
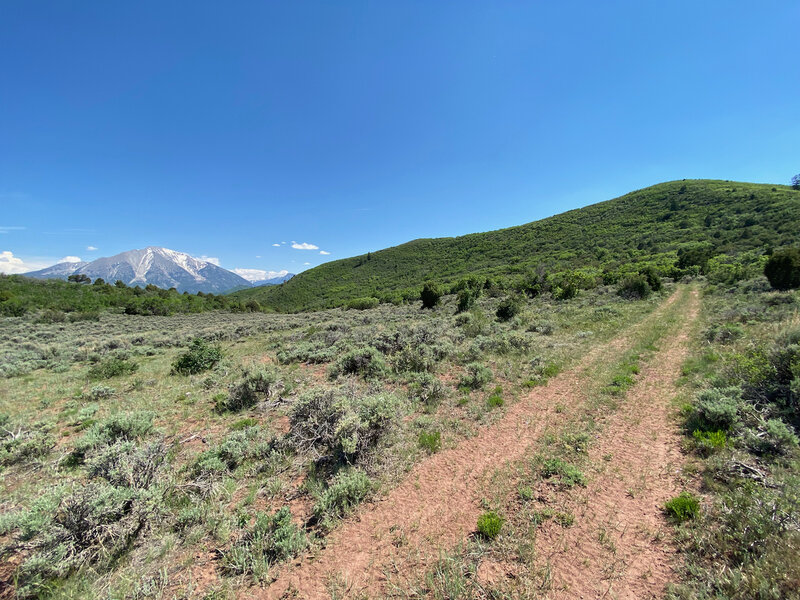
(154, 265)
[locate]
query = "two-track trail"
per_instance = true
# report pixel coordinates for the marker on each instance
(619, 546)
(438, 503)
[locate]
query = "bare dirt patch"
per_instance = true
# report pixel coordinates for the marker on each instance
(619, 546)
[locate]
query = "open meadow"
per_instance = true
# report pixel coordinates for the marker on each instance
(209, 455)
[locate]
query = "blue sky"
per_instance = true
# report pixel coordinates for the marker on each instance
(222, 129)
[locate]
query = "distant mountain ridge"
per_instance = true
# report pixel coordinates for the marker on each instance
(154, 265)
(61, 270)
(273, 280)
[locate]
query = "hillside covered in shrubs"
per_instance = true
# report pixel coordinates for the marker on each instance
(719, 228)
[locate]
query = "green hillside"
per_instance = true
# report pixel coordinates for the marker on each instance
(651, 225)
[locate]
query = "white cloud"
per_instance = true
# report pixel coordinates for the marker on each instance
(277, 245)
(70, 259)
(91, 248)
(5, 229)
(11, 264)
(258, 256)
(212, 259)
(306, 264)
(283, 242)
(304, 246)
(259, 274)
(323, 252)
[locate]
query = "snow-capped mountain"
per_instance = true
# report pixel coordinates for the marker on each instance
(259, 277)
(58, 271)
(152, 265)
(273, 280)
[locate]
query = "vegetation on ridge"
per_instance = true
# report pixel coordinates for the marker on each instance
(687, 222)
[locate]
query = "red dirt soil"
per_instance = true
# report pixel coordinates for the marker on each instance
(438, 504)
(619, 546)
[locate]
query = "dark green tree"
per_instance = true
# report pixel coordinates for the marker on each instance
(783, 269)
(509, 308)
(650, 273)
(430, 295)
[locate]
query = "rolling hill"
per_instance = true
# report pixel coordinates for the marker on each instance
(648, 225)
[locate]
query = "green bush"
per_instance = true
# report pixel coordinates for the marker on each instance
(365, 362)
(427, 389)
(12, 308)
(22, 443)
(490, 524)
(120, 427)
(273, 539)
(566, 291)
(346, 491)
(249, 444)
(650, 273)
(476, 376)
(200, 357)
(683, 507)
(430, 295)
(634, 287)
(716, 409)
(783, 269)
(256, 385)
(341, 425)
(696, 255)
(508, 308)
(466, 299)
(112, 367)
(362, 303)
(430, 441)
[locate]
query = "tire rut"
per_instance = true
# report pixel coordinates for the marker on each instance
(438, 503)
(620, 545)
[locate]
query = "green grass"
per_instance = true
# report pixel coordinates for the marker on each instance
(683, 507)
(490, 524)
(431, 441)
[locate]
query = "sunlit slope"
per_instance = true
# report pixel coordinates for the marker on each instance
(648, 224)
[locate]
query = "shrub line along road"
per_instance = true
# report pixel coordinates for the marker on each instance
(438, 503)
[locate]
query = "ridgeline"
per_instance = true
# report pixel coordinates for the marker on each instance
(674, 225)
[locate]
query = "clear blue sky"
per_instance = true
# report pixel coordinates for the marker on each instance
(220, 129)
